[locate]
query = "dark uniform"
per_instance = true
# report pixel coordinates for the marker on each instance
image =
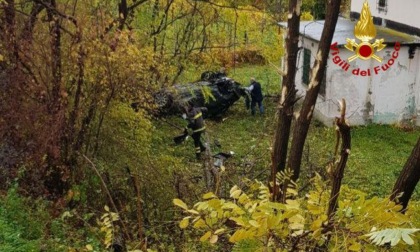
(221, 73)
(256, 96)
(196, 123)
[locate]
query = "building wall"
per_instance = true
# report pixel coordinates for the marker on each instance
(405, 12)
(388, 97)
(417, 87)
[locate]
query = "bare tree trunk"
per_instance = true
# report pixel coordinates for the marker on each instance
(56, 180)
(287, 101)
(9, 29)
(338, 172)
(408, 179)
(55, 57)
(305, 116)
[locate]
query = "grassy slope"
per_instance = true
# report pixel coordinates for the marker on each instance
(378, 152)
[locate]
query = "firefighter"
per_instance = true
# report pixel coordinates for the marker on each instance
(221, 74)
(256, 96)
(194, 116)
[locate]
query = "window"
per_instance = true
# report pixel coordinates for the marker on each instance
(382, 6)
(306, 72)
(306, 66)
(323, 87)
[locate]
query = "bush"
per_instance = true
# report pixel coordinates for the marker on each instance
(21, 226)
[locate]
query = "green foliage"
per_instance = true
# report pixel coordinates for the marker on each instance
(317, 8)
(21, 225)
(26, 226)
(250, 219)
(208, 96)
(247, 245)
(11, 240)
(306, 16)
(378, 154)
(267, 75)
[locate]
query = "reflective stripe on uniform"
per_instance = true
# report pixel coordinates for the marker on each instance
(197, 115)
(197, 150)
(200, 129)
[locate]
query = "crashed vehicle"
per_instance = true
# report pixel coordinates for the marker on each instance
(214, 91)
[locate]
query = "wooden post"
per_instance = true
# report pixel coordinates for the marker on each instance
(337, 173)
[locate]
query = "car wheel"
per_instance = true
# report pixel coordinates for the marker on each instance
(163, 100)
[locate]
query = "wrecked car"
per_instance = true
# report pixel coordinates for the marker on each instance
(214, 91)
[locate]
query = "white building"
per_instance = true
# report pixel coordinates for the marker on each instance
(386, 91)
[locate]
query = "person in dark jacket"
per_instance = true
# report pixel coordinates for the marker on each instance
(256, 96)
(222, 73)
(196, 123)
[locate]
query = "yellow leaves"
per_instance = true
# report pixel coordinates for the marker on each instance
(355, 246)
(201, 206)
(315, 210)
(273, 221)
(291, 191)
(244, 200)
(306, 16)
(210, 221)
(106, 225)
(297, 222)
(257, 218)
(207, 94)
(200, 224)
(209, 237)
(185, 222)
(237, 236)
(239, 221)
(318, 222)
(193, 211)
(254, 223)
(292, 204)
(214, 239)
(209, 195)
(180, 203)
(235, 192)
(206, 236)
(241, 234)
(1, 57)
(219, 231)
(215, 204)
(89, 247)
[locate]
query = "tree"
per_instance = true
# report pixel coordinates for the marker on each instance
(288, 100)
(288, 94)
(408, 179)
(304, 116)
(55, 92)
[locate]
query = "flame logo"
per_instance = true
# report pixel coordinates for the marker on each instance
(365, 31)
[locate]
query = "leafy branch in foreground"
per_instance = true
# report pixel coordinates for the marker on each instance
(249, 218)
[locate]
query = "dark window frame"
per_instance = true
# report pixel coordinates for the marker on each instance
(307, 71)
(306, 68)
(323, 88)
(382, 6)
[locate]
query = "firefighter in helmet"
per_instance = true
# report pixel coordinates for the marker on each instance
(194, 115)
